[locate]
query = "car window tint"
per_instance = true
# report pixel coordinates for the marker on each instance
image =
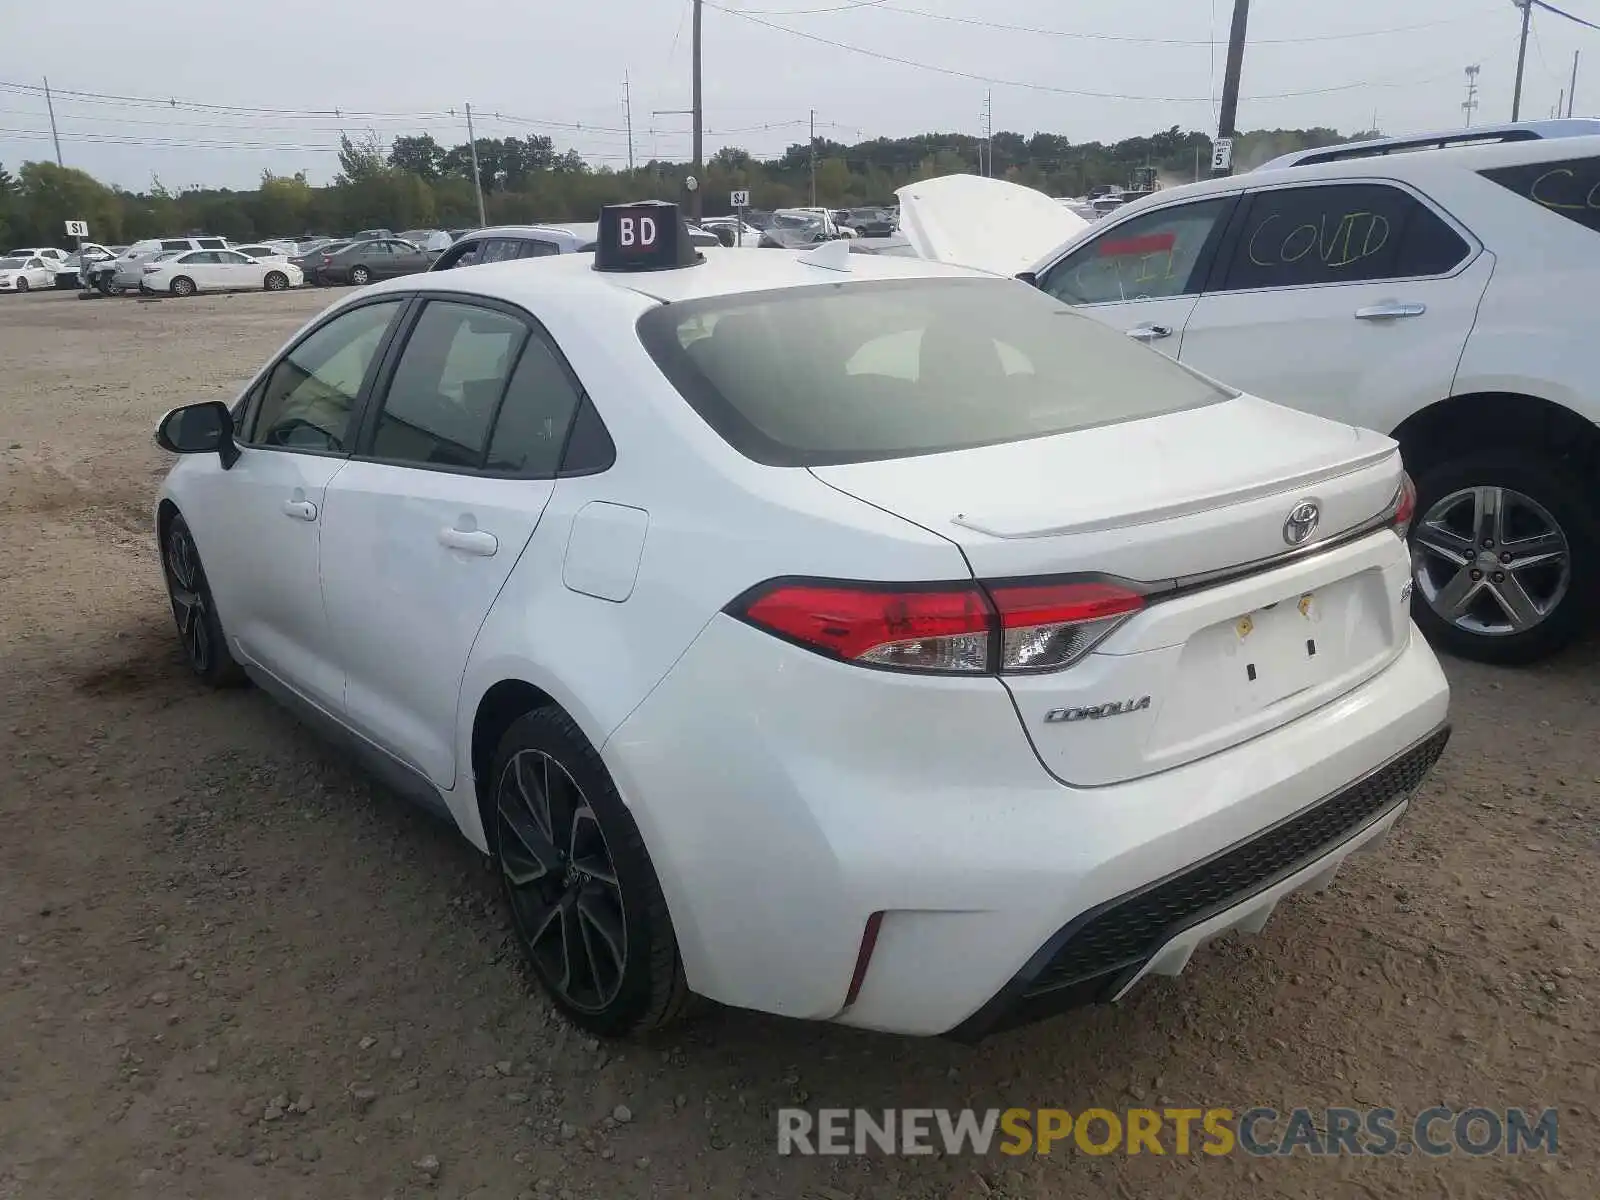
(211, 243)
(311, 393)
(1339, 233)
(535, 414)
(174, 245)
(230, 256)
(538, 248)
(447, 386)
(1148, 257)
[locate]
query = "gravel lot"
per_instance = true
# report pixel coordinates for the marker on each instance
(232, 967)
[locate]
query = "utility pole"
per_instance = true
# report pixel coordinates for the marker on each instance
(50, 104)
(988, 133)
(477, 180)
(1471, 102)
(813, 158)
(627, 113)
(1572, 92)
(699, 115)
(1229, 115)
(1522, 56)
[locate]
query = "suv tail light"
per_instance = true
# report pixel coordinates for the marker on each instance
(1404, 507)
(1017, 626)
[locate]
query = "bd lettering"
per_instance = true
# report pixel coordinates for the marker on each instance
(638, 231)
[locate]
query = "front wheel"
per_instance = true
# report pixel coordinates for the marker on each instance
(1505, 557)
(194, 609)
(22, 284)
(585, 902)
(276, 281)
(360, 276)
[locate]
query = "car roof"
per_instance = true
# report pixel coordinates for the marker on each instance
(1514, 131)
(534, 231)
(725, 272)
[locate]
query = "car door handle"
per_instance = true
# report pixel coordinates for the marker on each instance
(470, 541)
(301, 510)
(1388, 312)
(1150, 333)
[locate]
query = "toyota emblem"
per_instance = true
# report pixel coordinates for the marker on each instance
(1302, 522)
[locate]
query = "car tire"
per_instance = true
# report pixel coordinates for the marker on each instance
(276, 281)
(115, 289)
(360, 276)
(1534, 497)
(22, 284)
(578, 881)
(194, 609)
(183, 286)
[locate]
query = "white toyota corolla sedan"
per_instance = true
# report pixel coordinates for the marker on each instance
(186, 272)
(848, 637)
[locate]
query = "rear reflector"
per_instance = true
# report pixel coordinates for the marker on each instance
(957, 628)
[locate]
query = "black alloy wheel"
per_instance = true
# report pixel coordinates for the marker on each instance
(194, 610)
(585, 902)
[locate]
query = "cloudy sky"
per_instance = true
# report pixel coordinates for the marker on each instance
(209, 92)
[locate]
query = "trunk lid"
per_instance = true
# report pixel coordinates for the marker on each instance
(1173, 500)
(988, 224)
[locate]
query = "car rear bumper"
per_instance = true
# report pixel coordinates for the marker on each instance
(786, 799)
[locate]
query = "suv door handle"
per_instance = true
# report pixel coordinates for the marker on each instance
(1388, 312)
(470, 541)
(1150, 333)
(302, 510)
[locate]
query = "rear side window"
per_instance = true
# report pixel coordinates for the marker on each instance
(1570, 189)
(535, 415)
(879, 370)
(536, 248)
(1339, 233)
(212, 243)
(175, 245)
(1149, 257)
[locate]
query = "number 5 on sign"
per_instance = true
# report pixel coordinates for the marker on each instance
(1222, 155)
(740, 200)
(77, 229)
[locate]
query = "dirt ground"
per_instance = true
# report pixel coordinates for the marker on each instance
(209, 923)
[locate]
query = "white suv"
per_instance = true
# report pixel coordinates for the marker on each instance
(1432, 295)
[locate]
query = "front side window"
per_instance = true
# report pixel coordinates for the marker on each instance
(447, 386)
(1339, 233)
(310, 395)
(1151, 257)
(869, 371)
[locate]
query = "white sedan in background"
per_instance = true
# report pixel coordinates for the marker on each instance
(23, 274)
(185, 272)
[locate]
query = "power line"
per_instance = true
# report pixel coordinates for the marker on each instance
(1210, 40)
(1051, 88)
(1563, 13)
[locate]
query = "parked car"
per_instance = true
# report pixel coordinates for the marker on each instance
(262, 252)
(870, 222)
(186, 272)
(47, 252)
(501, 243)
(309, 257)
(434, 241)
(71, 274)
(730, 231)
(1082, 658)
(125, 272)
(22, 274)
(1423, 287)
(371, 234)
(824, 216)
(360, 262)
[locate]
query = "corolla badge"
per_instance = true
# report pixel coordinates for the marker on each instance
(1301, 522)
(1097, 712)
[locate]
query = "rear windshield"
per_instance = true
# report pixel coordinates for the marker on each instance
(868, 371)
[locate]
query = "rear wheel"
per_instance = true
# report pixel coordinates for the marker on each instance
(276, 281)
(183, 286)
(585, 902)
(360, 276)
(1505, 557)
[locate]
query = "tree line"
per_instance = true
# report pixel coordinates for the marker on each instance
(414, 182)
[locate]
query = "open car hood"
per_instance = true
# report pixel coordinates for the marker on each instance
(987, 224)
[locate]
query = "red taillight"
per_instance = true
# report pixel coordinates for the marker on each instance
(920, 629)
(1018, 626)
(1405, 506)
(1046, 626)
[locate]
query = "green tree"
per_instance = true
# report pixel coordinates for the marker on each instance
(361, 158)
(420, 155)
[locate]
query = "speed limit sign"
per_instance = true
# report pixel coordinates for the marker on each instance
(740, 199)
(77, 229)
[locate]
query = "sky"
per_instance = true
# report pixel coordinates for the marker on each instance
(213, 92)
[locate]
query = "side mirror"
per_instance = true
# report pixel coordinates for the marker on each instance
(1029, 277)
(199, 429)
